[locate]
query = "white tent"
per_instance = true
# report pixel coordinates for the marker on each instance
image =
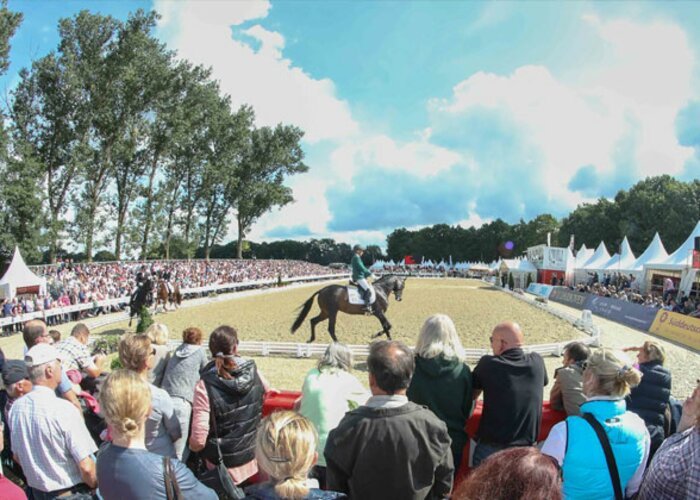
(622, 262)
(654, 253)
(679, 262)
(582, 256)
(682, 257)
(19, 279)
(520, 269)
(593, 264)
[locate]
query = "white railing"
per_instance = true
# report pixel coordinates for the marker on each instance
(57, 311)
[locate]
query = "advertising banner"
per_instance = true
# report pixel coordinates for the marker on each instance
(620, 311)
(568, 297)
(540, 289)
(677, 327)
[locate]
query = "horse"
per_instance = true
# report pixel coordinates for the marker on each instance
(143, 296)
(164, 296)
(334, 298)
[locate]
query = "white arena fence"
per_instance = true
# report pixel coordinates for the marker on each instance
(220, 288)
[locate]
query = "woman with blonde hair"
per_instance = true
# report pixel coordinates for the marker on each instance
(579, 443)
(162, 428)
(125, 469)
(442, 381)
(159, 335)
(650, 398)
(329, 391)
(286, 450)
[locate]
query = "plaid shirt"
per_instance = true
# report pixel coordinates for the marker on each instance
(76, 356)
(675, 471)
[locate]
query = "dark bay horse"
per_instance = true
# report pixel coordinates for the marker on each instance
(165, 297)
(143, 296)
(334, 298)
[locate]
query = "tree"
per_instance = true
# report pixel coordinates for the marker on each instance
(591, 223)
(271, 156)
(227, 137)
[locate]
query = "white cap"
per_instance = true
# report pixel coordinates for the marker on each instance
(40, 354)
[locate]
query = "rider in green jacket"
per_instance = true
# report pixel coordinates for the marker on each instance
(360, 274)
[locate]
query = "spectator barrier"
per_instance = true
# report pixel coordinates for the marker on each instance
(627, 313)
(220, 288)
(540, 290)
(571, 298)
(678, 328)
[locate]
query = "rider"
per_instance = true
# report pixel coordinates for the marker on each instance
(166, 278)
(359, 275)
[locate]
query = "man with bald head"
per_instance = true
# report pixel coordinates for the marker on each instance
(513, 384)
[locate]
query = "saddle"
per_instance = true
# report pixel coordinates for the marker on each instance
(355, 295)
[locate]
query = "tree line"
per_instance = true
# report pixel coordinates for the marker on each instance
(661, 203)
(113, 142)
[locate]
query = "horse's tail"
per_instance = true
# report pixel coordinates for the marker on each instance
(304, 312)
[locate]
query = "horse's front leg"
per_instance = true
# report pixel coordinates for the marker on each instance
(386, 326)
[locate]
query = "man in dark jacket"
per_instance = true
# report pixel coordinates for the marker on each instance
(512, 382)
(650, 398)
(391, 447)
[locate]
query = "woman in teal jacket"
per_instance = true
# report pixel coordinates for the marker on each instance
(442, 381)
(575, 445)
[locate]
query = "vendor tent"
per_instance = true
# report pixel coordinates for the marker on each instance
(520, 269)
(595, 262)
(654, 253)
(679, 263)
(622, 262)
(582, 256)
(19, 279)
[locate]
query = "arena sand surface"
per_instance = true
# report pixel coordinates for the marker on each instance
(474, 306)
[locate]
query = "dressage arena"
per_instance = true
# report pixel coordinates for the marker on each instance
(474, 306)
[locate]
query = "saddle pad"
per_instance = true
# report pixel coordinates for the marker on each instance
(354, 296)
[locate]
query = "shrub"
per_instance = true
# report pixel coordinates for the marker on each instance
(529, 281)
(511, 281)
(145, 320)
(106, 344)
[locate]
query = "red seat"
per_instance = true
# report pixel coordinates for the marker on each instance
(282, 400)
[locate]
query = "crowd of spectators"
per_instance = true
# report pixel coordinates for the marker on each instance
(626, 288)
(195, 428)
(71, 283)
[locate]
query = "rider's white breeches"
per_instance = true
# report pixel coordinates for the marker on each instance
(363, 283)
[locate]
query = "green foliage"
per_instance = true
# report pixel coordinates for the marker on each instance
(106, 344)
(116, 364)
(104, 256)
(511, 281)
(145, 320)
(529, 281)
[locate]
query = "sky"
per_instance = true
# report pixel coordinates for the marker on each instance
(418, 113)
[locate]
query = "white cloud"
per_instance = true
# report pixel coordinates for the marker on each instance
(635, 92)
(278, 90)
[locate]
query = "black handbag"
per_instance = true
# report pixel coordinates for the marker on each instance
(609, 457)
(218, 478)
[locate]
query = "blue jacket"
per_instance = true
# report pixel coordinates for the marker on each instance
(650, 398)
(585, 469)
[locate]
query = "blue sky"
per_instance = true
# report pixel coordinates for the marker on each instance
(427, 112)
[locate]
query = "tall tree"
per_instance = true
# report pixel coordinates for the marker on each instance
(271, 156)
(220, 181)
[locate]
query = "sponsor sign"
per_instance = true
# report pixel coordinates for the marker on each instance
(540, 289)
(568, 297)
(677, 327)
(696, 259)
(620, 311)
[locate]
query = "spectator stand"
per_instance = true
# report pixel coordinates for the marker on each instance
(205, 290)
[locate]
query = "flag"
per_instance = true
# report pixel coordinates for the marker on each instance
(409, 260)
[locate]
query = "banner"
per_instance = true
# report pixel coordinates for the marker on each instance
(568, 297)
(620, 311)
(677, 327)
(540, 289)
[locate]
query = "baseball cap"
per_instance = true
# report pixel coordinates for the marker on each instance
(40, 354)
(13, 371)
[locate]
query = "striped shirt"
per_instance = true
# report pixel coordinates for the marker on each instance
(49, 437)
(76, 356)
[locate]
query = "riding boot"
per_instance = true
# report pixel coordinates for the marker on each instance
(367, 296)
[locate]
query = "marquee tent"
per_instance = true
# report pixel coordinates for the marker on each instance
(593, 264)
(654, 254)
(624, 261)
(520, 269)
(582, 256)
(678, 263)
(19, 279)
